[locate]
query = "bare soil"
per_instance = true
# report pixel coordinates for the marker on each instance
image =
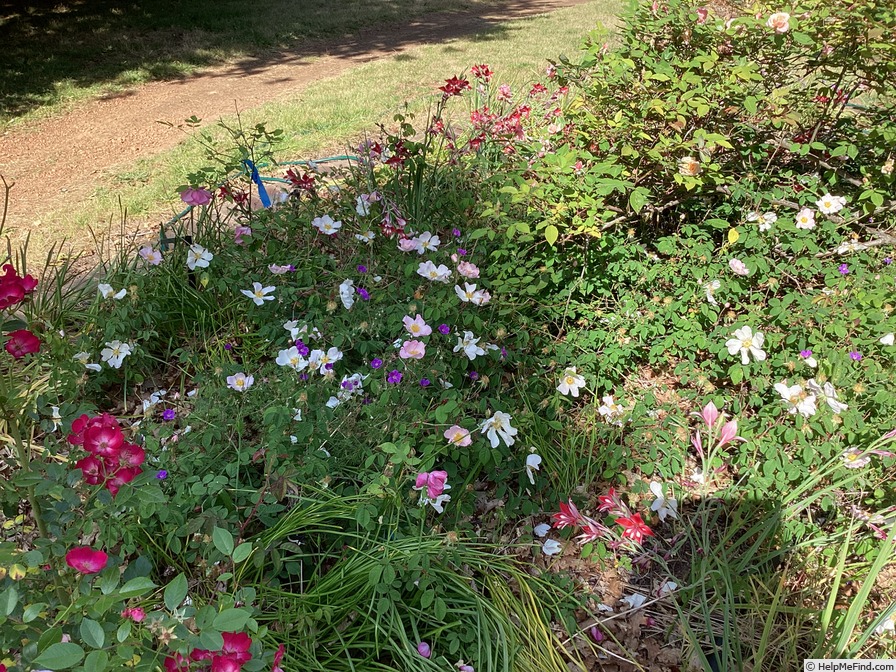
(58, 162)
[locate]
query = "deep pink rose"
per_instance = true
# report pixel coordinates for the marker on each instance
(22, 342)
(86, 560)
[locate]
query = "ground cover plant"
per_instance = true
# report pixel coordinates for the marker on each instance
(555, 388)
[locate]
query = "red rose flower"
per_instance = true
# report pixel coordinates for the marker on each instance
(22, 342)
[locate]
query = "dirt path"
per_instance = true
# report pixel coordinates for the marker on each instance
(58, 162)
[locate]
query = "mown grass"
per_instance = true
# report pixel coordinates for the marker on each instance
(326, 115)
(56, 54)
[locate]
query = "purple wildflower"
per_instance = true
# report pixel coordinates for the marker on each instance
(162, 474)
(425, 382)
(855, 355)
(455, 233)
(461, 251)
(444, 329)
(805, 354)
(328, 366)
(302, 348)
(394, 376)
(303, 376)
(843, 269)
(364, 293)
(888, 261)
(228, 346)
(168, 414)
(362, 268)
(474, 375)
(424, 649)
(292, 268)
(376, 363)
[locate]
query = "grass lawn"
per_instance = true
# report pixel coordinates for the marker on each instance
(324, 117)
(59, 53)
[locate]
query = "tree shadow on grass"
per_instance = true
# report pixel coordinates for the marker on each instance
(54, 50)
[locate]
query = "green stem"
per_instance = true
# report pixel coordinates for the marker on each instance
(24, 455)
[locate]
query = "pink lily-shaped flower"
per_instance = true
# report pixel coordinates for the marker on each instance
(729, 433)
(612, 504)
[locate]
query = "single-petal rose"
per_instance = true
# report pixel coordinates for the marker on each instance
(458, 436)
(196, 197)
(22, 342)
(738, 267)
(86, 560)
(412, 350)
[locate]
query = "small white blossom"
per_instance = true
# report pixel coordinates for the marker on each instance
(710, 289)
(610, 411)
(430, 271)
(198, 257)
(570, 382)
(533, 464)
(797, 399)
(830, 205)
(259, 294)
(114, 353)
(107, 292)
(805, 219)
(84, 358)
(291, 358)
(426, 242)
(469, 345)
(498, 427)
(240, 382)
(747, 343)
(829, 394)
(326, 225)
(888, 339)
(347, 293)
(662, 505)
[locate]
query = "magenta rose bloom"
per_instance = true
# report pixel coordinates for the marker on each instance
(22, 342)
(86, 560)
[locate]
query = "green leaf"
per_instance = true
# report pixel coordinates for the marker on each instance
(9, 598)
(551, 234)
(231, 620)
(92, 633)
(175, 592)
(32, 611)
(96, 661)
(750, 104)
(123, 632)
(440, 609)
(223, 540)
(241, 552)
(638, 199)
(60, 656)
(136, 586)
